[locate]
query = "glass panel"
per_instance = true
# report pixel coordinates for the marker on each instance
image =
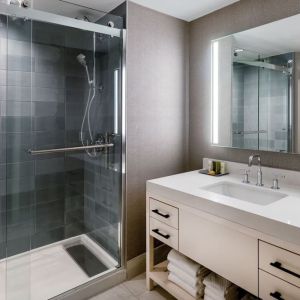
(20, 181)
(245, 100)
(274, 105)
(60, 212)
(3, 67)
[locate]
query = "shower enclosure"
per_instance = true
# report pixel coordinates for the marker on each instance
(62, 153)
(262, 102)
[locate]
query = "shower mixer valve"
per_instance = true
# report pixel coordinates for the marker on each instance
(106, 138)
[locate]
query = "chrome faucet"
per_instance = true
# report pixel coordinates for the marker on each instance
(259, 172)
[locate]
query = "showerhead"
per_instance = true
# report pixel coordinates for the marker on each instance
(81, 59)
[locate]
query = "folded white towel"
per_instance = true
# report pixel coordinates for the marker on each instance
(195, 292)
(217, 283)
(184, 263)
(188, 279)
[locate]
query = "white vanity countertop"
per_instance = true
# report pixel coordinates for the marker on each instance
(280, 219)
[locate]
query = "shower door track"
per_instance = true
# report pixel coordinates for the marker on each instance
(70, 149)
(38, 15)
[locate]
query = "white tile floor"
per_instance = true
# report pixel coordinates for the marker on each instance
(134, 289)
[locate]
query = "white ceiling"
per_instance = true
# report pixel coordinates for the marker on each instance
(183, 9)
(93, 9)
(188, 10)
(274, 38)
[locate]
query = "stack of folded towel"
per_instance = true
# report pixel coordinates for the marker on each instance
(219, 288)
(186, 274)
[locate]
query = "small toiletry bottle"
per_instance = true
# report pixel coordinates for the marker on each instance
(214, 165)
(218, 167)
(223, 167)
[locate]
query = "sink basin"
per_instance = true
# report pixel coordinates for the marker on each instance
(245, 192)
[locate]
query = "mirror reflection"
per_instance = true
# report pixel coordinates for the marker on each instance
(255, 88)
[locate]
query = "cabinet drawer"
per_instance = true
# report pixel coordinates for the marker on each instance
(280, 262)
(272, 288)
(164, 233)
(163, 212)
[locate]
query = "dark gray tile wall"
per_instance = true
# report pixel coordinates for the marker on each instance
(42, 94)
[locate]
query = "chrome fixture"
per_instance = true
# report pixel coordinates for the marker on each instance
(275, 185)
(20, 3)
(97, 147)
(83, 18)
(259, 172)
(81, 58)
(111, 24)
(246, 176)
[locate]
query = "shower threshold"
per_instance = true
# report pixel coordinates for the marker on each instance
(49, 271)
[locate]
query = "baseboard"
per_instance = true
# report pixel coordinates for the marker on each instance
(137, 265)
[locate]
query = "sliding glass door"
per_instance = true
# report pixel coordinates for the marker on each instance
(61, 157)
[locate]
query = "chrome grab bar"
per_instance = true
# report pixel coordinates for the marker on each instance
(242, 132)
(71, 149)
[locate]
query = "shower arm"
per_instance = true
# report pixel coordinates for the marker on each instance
(70, 149)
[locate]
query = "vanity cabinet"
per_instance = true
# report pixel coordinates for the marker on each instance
(248, 258)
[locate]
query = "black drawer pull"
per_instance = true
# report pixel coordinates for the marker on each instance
(279, 266)
(165, 236)
(156, 211)
(276, 295)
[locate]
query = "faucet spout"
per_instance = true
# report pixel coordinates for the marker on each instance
(259, 172)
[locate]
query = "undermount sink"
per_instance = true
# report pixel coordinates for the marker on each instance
(245, 192)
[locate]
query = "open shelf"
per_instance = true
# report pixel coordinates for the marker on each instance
(160, 276)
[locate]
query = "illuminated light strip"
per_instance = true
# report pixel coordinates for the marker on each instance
(215, 93)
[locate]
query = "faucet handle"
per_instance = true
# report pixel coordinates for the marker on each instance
(275, 185)
(245, 174)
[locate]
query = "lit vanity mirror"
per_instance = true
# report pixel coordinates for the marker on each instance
(255, 96)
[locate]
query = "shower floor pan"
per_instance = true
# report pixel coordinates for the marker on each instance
(51, 270)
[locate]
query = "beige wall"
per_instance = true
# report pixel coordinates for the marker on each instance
(157, 69)
(242, 15)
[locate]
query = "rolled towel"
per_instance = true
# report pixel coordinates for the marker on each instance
(184, 263)
(192, 291)
(217, 283)
(230, 294)
(187, 278)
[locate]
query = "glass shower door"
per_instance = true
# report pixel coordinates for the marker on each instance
(19, 166)
(274, 110)
(61, 210)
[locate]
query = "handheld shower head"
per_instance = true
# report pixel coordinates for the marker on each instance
(81, 59)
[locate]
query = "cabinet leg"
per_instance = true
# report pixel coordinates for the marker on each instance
(149, 284)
